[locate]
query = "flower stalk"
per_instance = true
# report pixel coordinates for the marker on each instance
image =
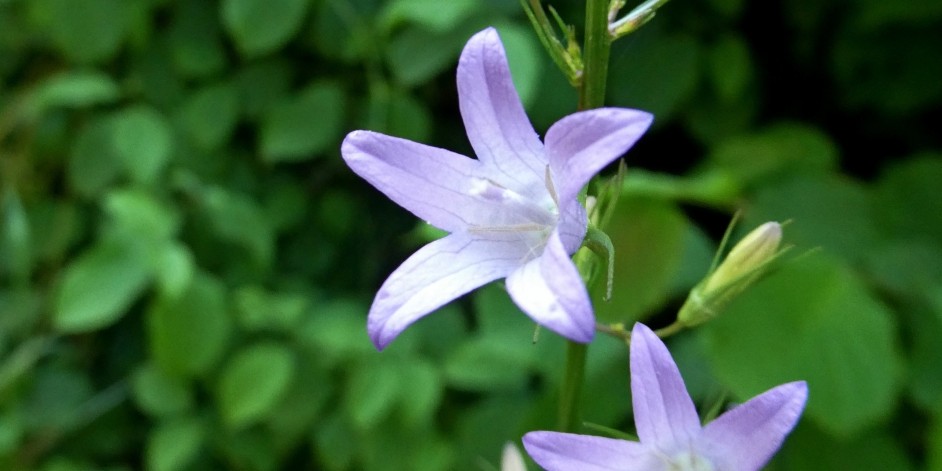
(591, 95)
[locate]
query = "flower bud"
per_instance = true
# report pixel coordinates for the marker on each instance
(758, 247)
(746, 262)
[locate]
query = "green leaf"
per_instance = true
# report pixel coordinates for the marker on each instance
(98, 287)
(238, 219)
(411, 69)
(74, 89)
(260, 310)
(657, 73)
(16, 247)
(830, 212)
(398, 114)
(56, 398)
(499, 361)
(175, 269)
(730, 67)
(174, 444)
(91, 33)
(195, 39)
(189, 334)
(433, 15)
(648, 236)
(809, 448)
(303, 125)
(262, 26)
(782, 149)
(923, 324)
(814, 320)
(336, 333)
(143, 140)
(372, 390)
(729, 8)
(253, 381)
(140, 214)
(93, 164)
(159, 394)
(421, 391)
(333, 440)
(262, 84)
(907, 201)
(210, 114)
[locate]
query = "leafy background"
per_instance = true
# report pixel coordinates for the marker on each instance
(186, 263)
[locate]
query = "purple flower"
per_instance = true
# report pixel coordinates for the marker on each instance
(671, 438)
(514, 212)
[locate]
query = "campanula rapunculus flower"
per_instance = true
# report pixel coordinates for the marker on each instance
(671, 437)
(514, 212)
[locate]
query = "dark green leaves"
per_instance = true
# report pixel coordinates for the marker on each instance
(303, 125)
(262, 26)
(253, 381)
(98, 288)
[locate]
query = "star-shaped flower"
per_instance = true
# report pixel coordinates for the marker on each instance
(513, 212)
(671, 438)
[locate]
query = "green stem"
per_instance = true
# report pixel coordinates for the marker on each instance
(572, 386)
(591, 95)
(596, 48)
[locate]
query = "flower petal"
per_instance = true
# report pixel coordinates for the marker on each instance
(550, 291)
(436, 274)
(747, 436)
(581, 144)
(432, 183)
(511, 459)
(497, 125)
(557, 451)
(664, 413)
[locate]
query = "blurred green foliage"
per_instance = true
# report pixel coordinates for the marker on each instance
(186, 264)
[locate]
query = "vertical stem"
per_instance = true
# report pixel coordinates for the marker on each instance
(571, 393)
(596, 49)
(591, 95)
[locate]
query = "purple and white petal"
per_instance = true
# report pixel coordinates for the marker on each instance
(549, 289)
(556, 451)
(664, 413)
(746, 437)
(436, 274)
(581, 144)
(498, 127)
(432, 183)
(573, 222)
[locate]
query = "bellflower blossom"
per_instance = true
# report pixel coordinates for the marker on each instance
(513, 212)
(671, 438)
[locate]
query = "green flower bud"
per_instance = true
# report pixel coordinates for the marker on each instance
(758, 247)
(746, 262)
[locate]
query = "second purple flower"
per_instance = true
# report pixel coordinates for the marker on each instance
(512, 213)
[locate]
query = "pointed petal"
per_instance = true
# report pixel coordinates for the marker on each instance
(572, 225)
(511, 459)
(664, 413)
(556, 451)
(747, 436)
(432, 183)
(497, 125)
(581, 144)
(550, 290)
(438, 273)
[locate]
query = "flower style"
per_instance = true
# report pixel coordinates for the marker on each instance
(671, 438)
(513, 212)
